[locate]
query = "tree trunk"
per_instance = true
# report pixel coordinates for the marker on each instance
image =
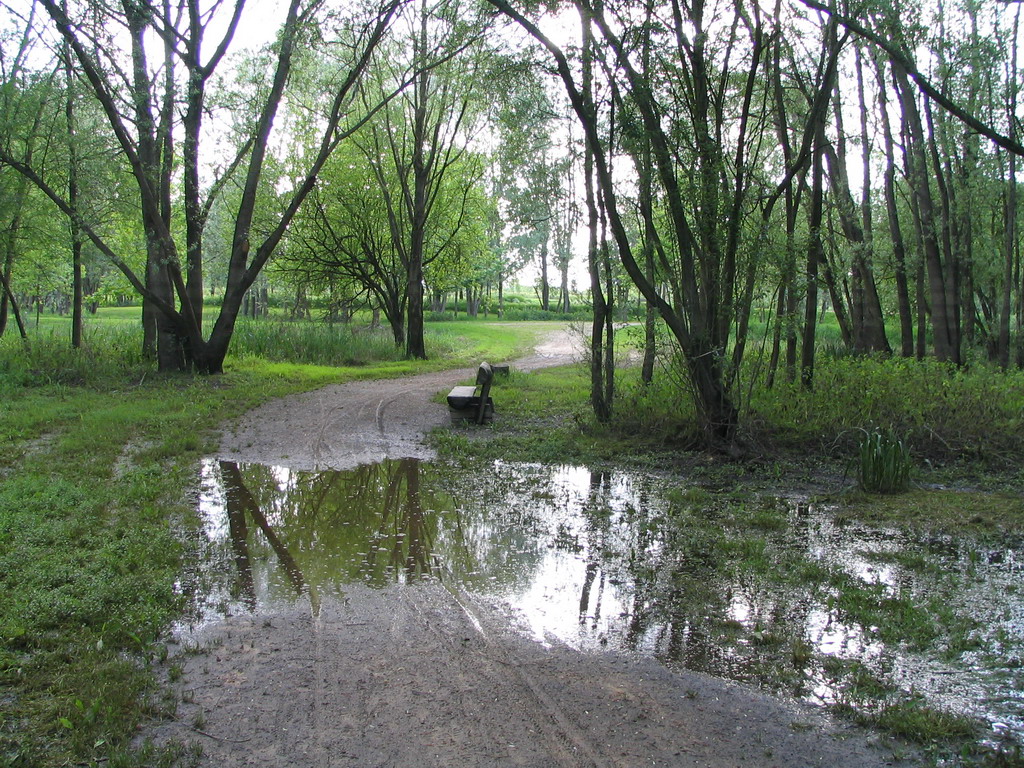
(944, 336)
(563, 289)
(921, 344)
(77, 296)
(73, 176)
(545, 289)
(868, 325)
(954, 257)
(892, 216)
(835, 293)
(397, 323)
(149, 320)
(1008, 246)
(815, 256)
(414, 341)
(11, 302)
(780, 316)
(609, 321)
(646, 205)
(651, 313)
(1009, 216)
(788, 293)
(600, 405)
(10, 241)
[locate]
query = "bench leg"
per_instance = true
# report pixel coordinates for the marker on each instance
(485, 391)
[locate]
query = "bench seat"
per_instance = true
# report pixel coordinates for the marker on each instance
(460, 397)
(464, 402)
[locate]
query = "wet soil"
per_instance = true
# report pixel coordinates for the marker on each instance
(427, 675)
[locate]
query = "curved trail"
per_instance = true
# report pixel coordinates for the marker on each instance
(427, 676)
(361, 422)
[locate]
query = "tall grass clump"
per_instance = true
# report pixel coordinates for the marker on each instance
(659, 413)
(940, 411)
(313, 343)
(884, 463)
(47, 358)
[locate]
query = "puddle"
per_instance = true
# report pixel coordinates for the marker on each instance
(773, 592)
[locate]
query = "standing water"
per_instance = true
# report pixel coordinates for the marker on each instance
(770, 591)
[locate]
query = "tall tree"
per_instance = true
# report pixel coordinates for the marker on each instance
(942, 299)
(25, 98)
(1010, 222)
(867, 329)
(601, 333)
(342, 236)
(895, 229)
(139, 79)
(419, 143)
(74, 176)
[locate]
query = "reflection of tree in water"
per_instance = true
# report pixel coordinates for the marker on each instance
(239, 532)
(677, 575)
(405, 533)
(376, 523)
(239, 503)
(596, 525)
(671, 583)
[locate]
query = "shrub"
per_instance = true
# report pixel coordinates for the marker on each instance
(940, 411)
(536, 313)
(111, 352)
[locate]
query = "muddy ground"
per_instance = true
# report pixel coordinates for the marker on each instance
(426, 675)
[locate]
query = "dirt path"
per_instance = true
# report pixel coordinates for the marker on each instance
(426, 675)
(361, 422)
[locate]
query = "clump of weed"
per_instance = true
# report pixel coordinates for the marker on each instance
(912, 719)
(866, 698)
(107, 355)
(883, 463)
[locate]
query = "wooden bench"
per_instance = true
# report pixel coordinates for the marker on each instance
(465, 403)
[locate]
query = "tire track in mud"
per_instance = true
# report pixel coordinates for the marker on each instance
(320, 687)
(571, 746)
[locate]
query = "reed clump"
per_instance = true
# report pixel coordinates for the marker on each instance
(884, 462)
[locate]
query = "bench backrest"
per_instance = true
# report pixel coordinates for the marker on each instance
(484, 374)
